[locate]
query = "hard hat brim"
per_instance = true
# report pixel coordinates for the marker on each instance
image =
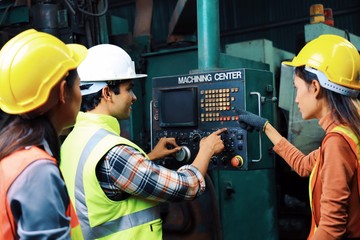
(294, 63)
(136, 76)
(79, 53)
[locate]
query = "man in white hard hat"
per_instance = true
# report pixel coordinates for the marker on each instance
(114, 184)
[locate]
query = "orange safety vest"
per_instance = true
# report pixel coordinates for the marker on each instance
(10, 168)
(349, 136)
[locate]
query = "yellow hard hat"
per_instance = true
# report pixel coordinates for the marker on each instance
(335, 57)
(31, 64)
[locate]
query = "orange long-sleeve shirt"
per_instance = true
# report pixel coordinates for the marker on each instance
(335, 195)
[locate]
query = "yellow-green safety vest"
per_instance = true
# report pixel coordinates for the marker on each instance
(100, 217)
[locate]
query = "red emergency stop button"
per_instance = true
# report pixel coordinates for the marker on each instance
(237, 161)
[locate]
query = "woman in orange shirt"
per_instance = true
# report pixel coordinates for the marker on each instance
(327, 83)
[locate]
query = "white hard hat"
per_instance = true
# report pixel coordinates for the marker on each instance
(107, 62)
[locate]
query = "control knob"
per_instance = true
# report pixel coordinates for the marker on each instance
(196, 137)
(183, 155)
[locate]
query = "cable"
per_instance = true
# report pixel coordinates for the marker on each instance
(347, 35)
(106, 5)
(72, 10)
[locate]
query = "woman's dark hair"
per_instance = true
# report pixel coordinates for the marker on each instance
(18, 132)
(344, 109)
(90, 101)
(71, 77)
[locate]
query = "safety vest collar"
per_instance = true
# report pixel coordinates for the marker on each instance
(107, 122)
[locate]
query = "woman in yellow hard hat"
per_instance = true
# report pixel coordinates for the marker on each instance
(327, 83)
(39, 97)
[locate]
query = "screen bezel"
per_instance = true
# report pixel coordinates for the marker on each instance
(193, 111)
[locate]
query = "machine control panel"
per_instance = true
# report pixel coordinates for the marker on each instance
(190, 107)
(234, 141)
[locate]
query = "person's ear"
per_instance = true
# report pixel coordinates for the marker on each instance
(106, 93)
(62, 91)
(316, 87)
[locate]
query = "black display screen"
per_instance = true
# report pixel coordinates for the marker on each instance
(178, 107)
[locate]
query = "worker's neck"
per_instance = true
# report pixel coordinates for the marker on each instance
(100, 109)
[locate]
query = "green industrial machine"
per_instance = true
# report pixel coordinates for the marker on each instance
(240, 203)
(245, 199)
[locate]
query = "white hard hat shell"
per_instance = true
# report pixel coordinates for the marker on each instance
(107, 62)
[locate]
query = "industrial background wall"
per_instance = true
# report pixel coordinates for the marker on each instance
(280, 21)
(167, 38)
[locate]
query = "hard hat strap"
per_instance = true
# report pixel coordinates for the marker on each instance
(87, 88)
(325, 83)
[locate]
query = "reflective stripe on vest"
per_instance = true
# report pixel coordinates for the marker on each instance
(348, 132)
(116, 225)
(311, 184)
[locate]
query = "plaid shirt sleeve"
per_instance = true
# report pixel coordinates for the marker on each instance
(126, 170)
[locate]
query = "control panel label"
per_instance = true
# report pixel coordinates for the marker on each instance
(210, 77)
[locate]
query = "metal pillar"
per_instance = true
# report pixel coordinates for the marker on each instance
(208, 34)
